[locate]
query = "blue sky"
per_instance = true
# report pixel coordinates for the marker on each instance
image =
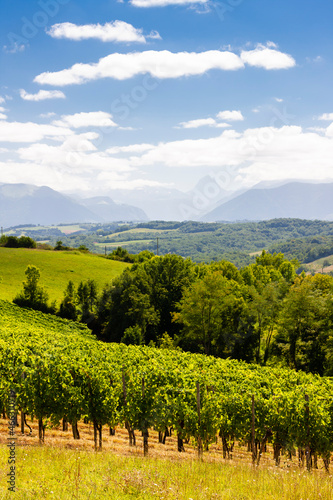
(158, 93)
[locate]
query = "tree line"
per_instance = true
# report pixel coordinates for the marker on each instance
(263, 313)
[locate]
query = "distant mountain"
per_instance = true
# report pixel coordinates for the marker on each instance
(161, 203)
(293, 199)
(110, 211)
(28, 204)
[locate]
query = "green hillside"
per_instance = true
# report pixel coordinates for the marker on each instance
(56, 269)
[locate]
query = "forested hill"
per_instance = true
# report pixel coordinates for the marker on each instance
(198, 240)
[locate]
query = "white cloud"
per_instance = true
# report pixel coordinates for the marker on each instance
(42, 95)
(3, 116)
(329, 131)
(163, 64)
(267, 58)
(116, 31)
(269, 153)
(231, 116)
(47, 115)
(202, 122)
(278, 99)
(14, 48)
(133, 148)
(76, 156)
(326, 116)
(4, 150)
(2, 99)
(30, 132)
(90, 119)
(164, 3)
(255, 110)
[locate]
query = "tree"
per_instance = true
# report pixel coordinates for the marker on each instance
(33, 296)
(145, 295)
(303, 326)
(86, 298)
(214, 319)
(326, 263)
(67, 307)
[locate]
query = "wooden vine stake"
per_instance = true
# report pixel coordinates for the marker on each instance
(253, 434)
(307, 447)
(200, 448)
(145, 430)
(131, 435)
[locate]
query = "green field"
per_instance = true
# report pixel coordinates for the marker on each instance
(56, 269)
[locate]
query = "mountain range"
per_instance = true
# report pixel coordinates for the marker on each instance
(28, 204)
(207, 201)
(291, 200)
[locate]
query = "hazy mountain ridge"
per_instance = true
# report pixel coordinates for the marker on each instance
(28, 204)
(290, 200)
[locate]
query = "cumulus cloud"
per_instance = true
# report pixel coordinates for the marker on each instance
(326, 116)
(133, 148)
(116, 31)
(159, 64)
(3, 116)
(165, 64)
(267, 58)
(329, 131)
(47, 115)
(42, 95)
(30, 132)
(202, 122)
(2, 99)
(90, 119)
(265, 153)
(164, 3)
(231, 116)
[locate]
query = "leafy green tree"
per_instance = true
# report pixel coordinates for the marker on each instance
(67, 308)
(86, 297)
(33, 295)
(303, 333)
(145, 295)
(133, 335)
(214, 319)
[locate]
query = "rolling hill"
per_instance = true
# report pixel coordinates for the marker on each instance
(56, 268)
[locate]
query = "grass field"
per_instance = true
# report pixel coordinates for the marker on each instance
(317, 265)
(71, 228)
(74, 471)
(56, 269)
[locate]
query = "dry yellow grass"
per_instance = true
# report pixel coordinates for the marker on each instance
(64, 468)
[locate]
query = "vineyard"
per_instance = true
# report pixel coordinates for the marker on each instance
(61, 374)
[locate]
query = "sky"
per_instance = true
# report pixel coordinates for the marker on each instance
(135, 94)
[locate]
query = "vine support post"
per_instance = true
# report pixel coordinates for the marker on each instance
(307, 447)
(253, 432)
(200, 447)
(145, 433)
(131, 435)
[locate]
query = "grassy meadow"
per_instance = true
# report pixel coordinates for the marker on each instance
(56, 267)
(65, 469)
